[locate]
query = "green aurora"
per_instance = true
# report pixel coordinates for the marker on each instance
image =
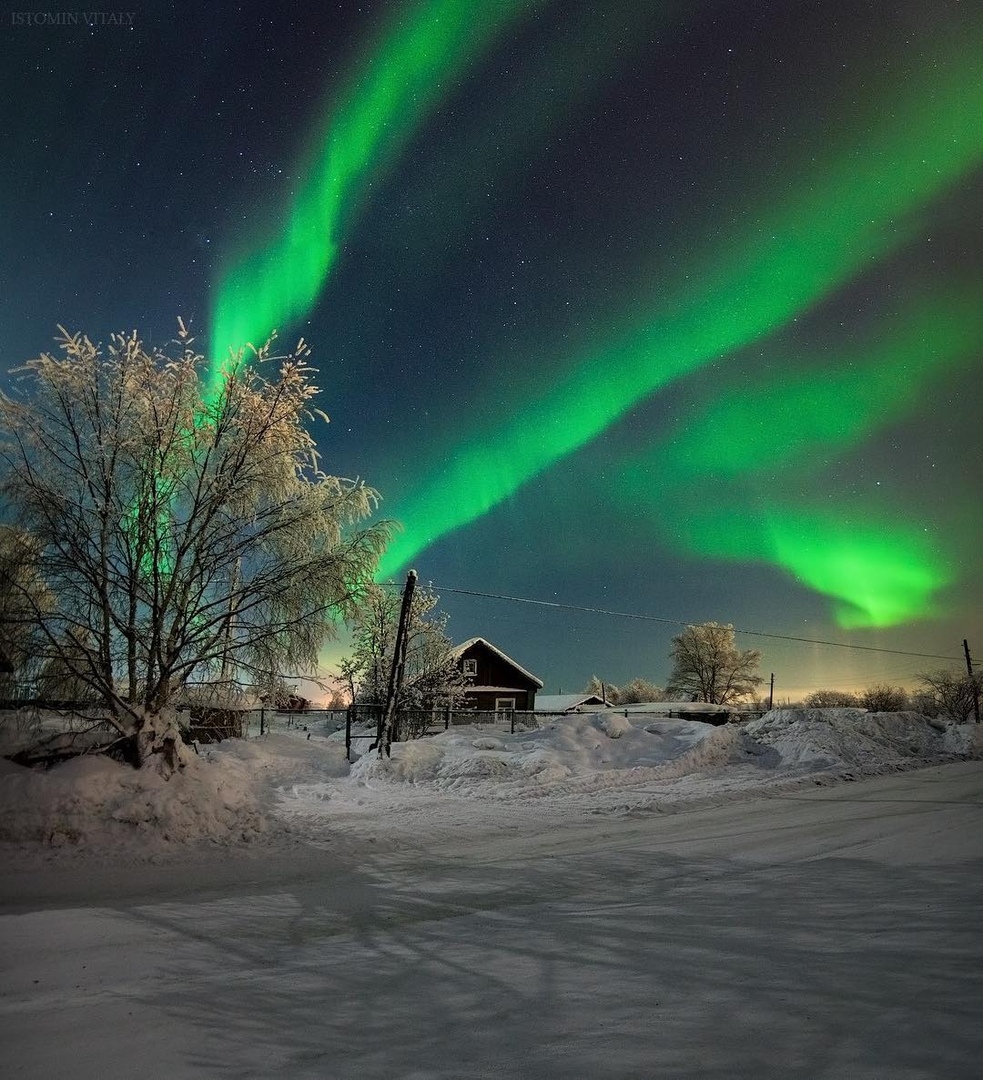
(820, 226)
(814, 409)
(879, 572)
(701, 489)
(384, 100)
(799, 248)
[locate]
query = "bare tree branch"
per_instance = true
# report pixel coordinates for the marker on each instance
(177, 530)
(708, 666)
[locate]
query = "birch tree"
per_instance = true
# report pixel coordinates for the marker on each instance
(432, 677)
(708, 666)
(182, 526)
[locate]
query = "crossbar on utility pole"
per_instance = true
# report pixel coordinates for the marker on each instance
(396, 671)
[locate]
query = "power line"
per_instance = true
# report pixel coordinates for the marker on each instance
(682, 622)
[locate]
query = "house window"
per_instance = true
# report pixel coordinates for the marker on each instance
(505, 704)
(470, 667)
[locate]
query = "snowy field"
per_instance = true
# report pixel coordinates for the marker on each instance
(607, 896)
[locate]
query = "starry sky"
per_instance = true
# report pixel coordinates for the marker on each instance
(668, 309)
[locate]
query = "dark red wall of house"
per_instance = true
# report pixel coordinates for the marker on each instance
(485, 702)
(494, 671)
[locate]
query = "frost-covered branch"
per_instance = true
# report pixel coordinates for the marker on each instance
(177, 528)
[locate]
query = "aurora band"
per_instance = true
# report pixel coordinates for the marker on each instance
(387, 94)
(804, 243)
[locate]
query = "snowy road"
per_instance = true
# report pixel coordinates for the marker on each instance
(826, 933)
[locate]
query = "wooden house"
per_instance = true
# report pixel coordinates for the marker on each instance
(495, 682)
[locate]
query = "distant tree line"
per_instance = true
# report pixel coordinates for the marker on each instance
(708, 667)
(941, 694)
(637, 690)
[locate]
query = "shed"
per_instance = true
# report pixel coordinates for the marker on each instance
(564, 703)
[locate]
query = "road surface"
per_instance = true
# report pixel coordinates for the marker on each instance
(827, 933)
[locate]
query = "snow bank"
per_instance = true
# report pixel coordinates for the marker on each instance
(588, 751)
(98, 802)
(847, 738)
(604, 752)
(582, 764)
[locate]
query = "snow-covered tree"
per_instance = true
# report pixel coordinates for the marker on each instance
(431, 675)
(181, 524)
(884, 698)
(708, 666)
(605, 691)
(639, 691)
(831, 699)
(632, 693)
(951, 694)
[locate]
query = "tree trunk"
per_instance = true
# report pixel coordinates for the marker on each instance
(159, 744)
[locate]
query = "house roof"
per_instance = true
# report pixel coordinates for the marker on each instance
(567, 702)
(465, 645)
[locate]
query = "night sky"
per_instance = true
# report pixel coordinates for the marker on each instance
(673, 309)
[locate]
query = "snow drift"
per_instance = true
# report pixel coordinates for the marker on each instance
(245, 790)
(96, 801)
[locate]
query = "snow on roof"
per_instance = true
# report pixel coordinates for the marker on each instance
(565, 702)
(465, 645)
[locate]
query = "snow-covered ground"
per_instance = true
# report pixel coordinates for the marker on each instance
(294, 785)
(606, 897)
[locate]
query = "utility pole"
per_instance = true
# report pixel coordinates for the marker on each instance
(771, 693)
(384, 738)
(972, 682)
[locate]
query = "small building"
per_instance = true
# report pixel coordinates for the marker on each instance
(494, 681)
(569, 703)
(704, 711)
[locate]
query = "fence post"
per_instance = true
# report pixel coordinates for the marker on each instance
(447, 719)
(348, 734)
(262, 720)
(512, 730)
